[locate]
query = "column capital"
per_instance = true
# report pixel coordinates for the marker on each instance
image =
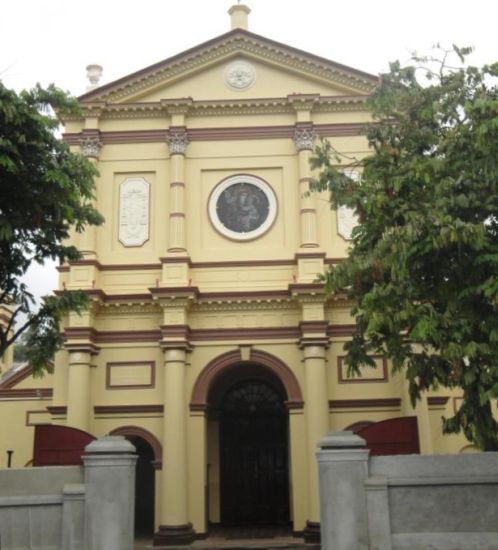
(177, 140)
(314, 339)
(90, 146)
(175, 350)
(304, 136)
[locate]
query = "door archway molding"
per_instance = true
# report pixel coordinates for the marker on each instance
(220, 364)
(150, 438)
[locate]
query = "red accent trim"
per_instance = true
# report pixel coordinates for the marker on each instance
(57, 409)
(341, 330)
(357, 426)
(109, 366)
(128, 409)
(311, 532)
(396, 436)
(26, 393)
(357, 379)
(59, 445)
(213, 369)
(365, 403)
(145, 435)
(172, 535)
(436, 401)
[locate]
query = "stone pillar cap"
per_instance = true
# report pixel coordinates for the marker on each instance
(110, 444)
(342, 440)
(238, 14)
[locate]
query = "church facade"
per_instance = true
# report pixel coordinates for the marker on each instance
(208, 343)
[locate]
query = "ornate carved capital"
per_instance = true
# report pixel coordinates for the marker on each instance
(90, 147)
(177, 141)
(303, 138)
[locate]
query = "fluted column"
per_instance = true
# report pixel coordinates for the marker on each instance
(317, 424)
(174, 525)
(304, 136)
(90, 147)
(177, 142)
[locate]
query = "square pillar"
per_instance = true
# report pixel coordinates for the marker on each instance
(343, 470)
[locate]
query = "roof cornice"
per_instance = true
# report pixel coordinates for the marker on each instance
(213, 50)
(275, 105)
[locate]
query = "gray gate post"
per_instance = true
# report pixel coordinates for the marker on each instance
(343, 469)
(109, 494)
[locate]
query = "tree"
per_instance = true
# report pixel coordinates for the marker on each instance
(422, 271)
(45, 190)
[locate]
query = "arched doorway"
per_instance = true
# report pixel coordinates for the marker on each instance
(149, 454)
(144, 486)
(248, 404)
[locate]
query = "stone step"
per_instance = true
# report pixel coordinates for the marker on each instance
(233, 545)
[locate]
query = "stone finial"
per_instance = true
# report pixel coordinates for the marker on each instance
(238, 14)
(90, 147)
(94, 74)
(177, 142)
(303, 138)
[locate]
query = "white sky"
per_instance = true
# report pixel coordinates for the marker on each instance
(53, 40)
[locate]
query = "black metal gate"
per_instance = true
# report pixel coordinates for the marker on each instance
(254, 456)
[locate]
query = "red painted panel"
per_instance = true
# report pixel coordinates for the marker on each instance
(59, 445)
(396, 436)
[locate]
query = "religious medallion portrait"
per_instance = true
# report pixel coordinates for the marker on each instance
(242, 207)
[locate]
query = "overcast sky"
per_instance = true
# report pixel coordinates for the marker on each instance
(53, 40)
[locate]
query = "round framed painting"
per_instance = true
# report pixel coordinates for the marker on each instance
(242, 207)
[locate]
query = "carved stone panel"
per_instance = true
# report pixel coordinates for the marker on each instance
(134, 212)
(347, 220)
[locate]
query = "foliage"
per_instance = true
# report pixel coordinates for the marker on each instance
(20, 349)
(45, 190)
(422, 271)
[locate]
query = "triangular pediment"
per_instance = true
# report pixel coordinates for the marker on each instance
(201, 73)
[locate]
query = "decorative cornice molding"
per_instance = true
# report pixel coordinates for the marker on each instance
(303, 102)
(223, 107)
(173, 295)
(236, 41)
(296, 292)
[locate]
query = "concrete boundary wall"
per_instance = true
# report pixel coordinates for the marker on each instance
(406, 502)
(55, 507)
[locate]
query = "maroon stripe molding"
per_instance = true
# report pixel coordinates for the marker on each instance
(364, 403)
(206, 334)
(341, 330)
(127, 409)
(437, 400)
(220, 134)
(201, 265)
(32, 393)
(245, 333)
(57, 409)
